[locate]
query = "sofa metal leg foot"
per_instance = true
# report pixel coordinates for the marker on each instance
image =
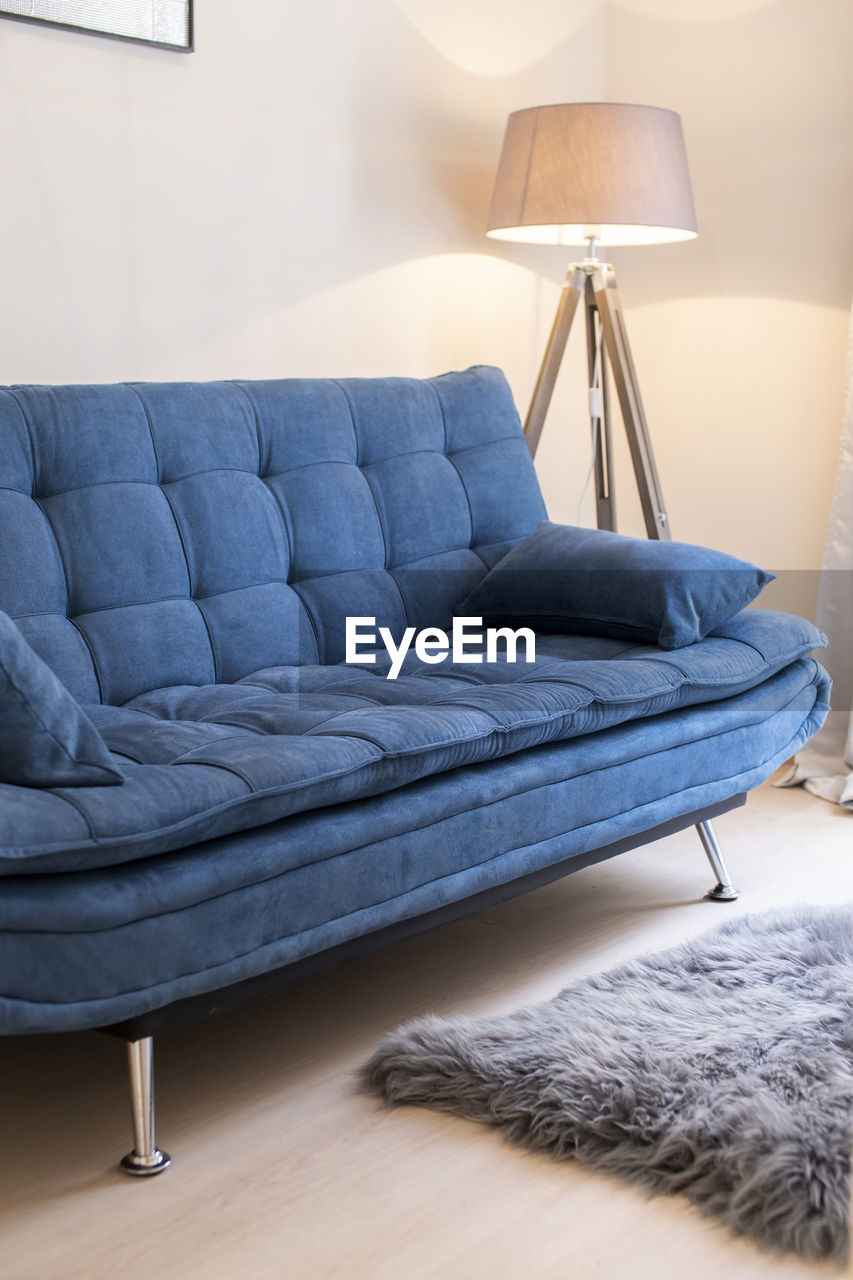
(144, 1160)
(723, 890)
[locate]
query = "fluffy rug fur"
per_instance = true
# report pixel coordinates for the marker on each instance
(722, 1068)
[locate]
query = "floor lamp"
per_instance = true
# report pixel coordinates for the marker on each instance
(600, 173)
(596, 174)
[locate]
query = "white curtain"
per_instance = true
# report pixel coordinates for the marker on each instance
(825, 765)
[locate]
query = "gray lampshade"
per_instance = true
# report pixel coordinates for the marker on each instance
(581, 168)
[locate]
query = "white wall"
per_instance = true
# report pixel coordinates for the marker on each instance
(740, 335)
(306, 194)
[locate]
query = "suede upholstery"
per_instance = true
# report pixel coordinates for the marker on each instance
(183, 557)
(87, 948)
(594, 582)
(46, 739)
(171, 534)
(202, 761)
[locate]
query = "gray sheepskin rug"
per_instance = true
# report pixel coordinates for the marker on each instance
(722, 1068)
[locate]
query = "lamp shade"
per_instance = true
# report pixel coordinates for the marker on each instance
(608, 169)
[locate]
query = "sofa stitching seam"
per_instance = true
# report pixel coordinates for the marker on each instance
(178, 530)
(450, 459)
(81, 633)
(55, 544)
(363, 468)
(62, 793)
(255, 421)
(348, 398)
(288, 537)
(28, 433)
(294, 586)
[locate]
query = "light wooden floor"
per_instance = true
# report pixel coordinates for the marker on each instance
(283, 1169)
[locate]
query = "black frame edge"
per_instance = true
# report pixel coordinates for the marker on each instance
(111, 35)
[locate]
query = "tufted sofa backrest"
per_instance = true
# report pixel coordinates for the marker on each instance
(156, 534)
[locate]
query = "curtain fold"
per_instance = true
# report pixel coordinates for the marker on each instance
(825, 765)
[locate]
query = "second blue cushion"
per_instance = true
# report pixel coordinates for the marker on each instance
(590, 581)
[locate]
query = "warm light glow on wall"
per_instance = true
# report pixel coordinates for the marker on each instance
(497, 37)
(694, 11)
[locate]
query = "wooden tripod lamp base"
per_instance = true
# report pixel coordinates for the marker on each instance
(597, 282)
(596, 173)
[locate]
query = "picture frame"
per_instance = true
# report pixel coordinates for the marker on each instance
(164, 24)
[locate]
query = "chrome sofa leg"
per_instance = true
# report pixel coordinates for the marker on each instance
(144, 1160)
(723, 890)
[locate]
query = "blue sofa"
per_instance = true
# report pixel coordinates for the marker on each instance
(237, 804)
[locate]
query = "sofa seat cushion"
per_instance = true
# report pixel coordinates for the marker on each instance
(205, 761)
(86, 948)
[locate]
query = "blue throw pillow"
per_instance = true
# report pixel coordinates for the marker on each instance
(46, 739)
(592, 582)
